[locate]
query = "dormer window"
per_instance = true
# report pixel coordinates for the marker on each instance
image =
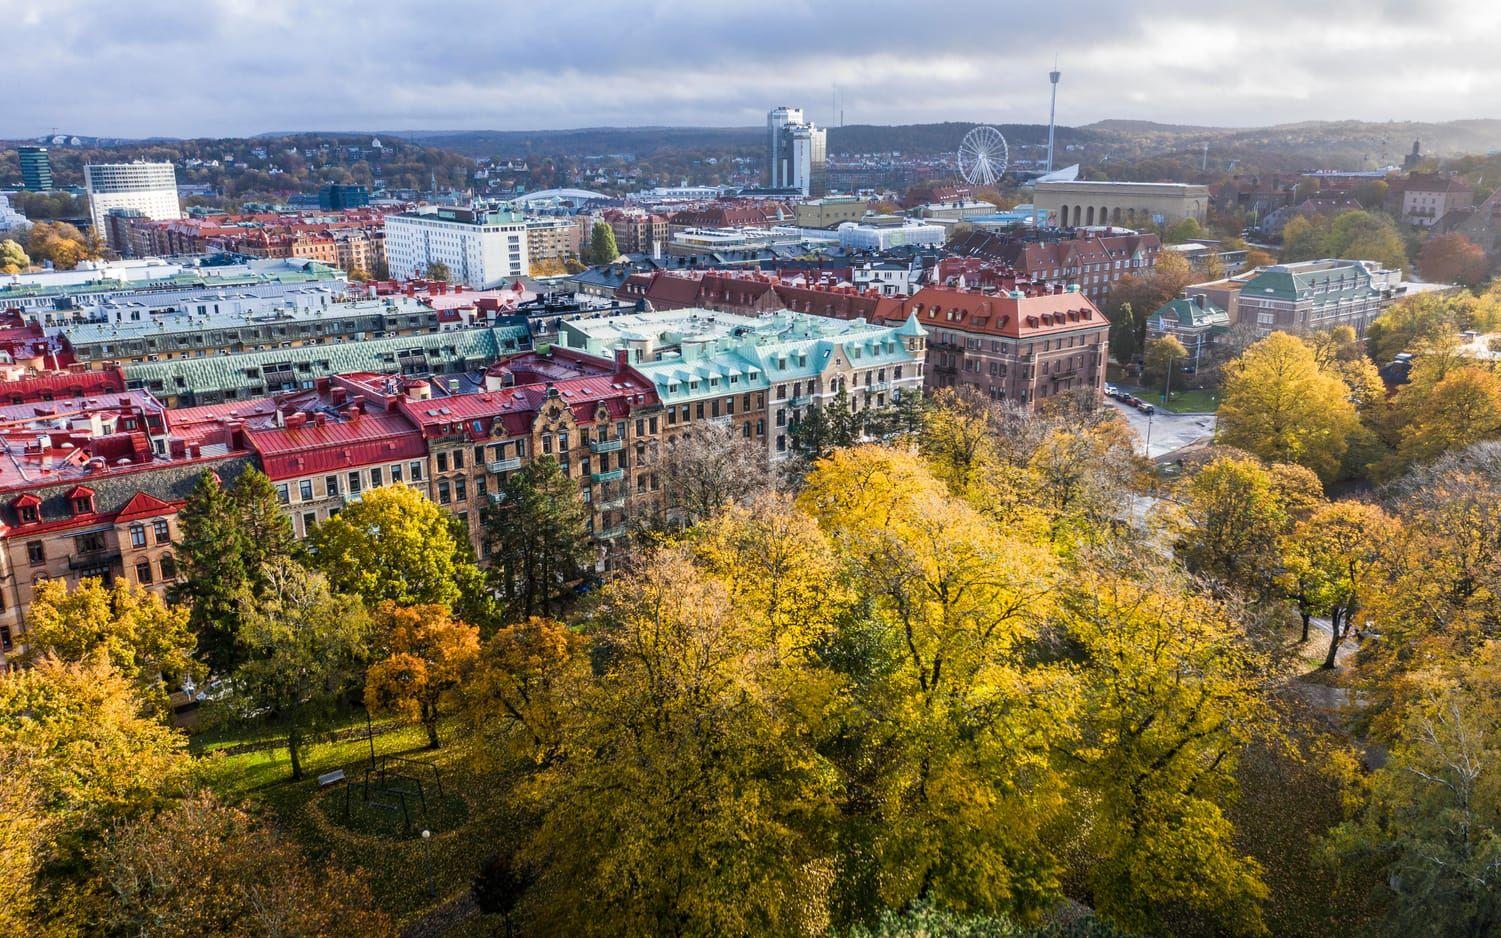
(83, 505)
(27, 513)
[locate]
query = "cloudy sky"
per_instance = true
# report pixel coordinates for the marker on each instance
(234, 67)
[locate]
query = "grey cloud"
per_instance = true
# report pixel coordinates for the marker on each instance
(201, 67)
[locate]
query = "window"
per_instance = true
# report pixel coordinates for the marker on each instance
(331, 486)
(396, 473)
(87, 543)
(282, 494)
(376, 478)
(444, 496)
(6, 642)
(354, 483)
(305, 490)
(442, 462)
(161, 531)
(28, 514)
(460, 489)
(458, 459)
(138, 535)
(416, 468)
(143, 573)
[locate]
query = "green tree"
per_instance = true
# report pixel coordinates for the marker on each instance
(301, 648)
(437, 270)
(395, 544)
(1124, 329)
(264, 528)
(1279, 405)
(212, 561)
(1187, 229)
(539, 537)
(602, 248)
(824, 428)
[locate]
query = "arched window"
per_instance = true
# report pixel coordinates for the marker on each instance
(169, 567)
(143, 572)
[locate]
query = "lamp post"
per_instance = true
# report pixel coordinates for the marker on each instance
(427, 859)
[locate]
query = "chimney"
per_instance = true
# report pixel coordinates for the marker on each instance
(622, 359)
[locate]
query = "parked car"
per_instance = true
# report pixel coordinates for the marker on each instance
(1146, 408)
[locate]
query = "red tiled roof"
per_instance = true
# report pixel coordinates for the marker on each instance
(333, 444)
(142, 505)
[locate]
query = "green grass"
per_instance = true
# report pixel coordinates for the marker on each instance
(471, 820)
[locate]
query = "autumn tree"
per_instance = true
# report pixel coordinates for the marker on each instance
(708, 468)
(13, 259)
(1438, 414)
(1336, 551)
(1230, 518)
(301, 646)
(60, 243)
(1161, 357)
(954, 807)
(203, 867)
(1145, 294)
(1438, 588)
(681, 803)
(1432, 822)
(539, 537)
(395, 545)
(1428, 318)
(1278, 404)
(526, 681)
(127, 626)
(1453, 258)
(1355, 234)
(422, 654)
(78, 736)
(1170, 700)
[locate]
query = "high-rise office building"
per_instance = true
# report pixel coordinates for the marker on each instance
(36, 169)
(336, 197)
(796, 152)
(149, 188)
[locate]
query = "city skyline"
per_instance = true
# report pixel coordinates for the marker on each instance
(237, 68)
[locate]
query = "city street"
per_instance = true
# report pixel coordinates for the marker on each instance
(1169, 431)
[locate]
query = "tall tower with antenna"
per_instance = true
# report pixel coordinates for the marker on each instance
(1053, 77)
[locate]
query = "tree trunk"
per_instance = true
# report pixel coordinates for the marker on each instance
(1306, 617)
(294, 742)
(1334, 639)
(431, 722)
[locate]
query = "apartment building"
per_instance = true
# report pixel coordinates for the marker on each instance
(481, 247)
(147, 188)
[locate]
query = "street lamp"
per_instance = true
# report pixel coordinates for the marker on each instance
(427, 857)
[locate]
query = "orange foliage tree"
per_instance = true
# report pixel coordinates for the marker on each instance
(427, 653)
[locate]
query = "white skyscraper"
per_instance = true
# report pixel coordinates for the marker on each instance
(795, 152)
(148, 188)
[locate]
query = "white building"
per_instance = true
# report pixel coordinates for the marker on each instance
(148, 188)
(796, 152)
(863, 236)
(10, 219)
(481, 248)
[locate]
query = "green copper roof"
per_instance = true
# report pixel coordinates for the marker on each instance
(229, 375)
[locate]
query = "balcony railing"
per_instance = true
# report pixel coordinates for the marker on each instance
(610, 475)
(800, 401)
(609, 534)
(611, 503)
(503, 465)
(721, 421)
(606, 446)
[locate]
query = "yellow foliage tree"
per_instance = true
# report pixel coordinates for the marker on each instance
(426, 655)
(1279, 405)
(126, 625)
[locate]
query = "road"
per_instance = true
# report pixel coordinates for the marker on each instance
(1168, 431)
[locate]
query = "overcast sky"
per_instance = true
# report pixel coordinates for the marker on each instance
(234, 67)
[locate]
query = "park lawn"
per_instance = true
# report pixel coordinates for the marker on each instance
(469, 823)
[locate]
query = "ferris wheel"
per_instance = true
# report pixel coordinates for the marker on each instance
(983, 156)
